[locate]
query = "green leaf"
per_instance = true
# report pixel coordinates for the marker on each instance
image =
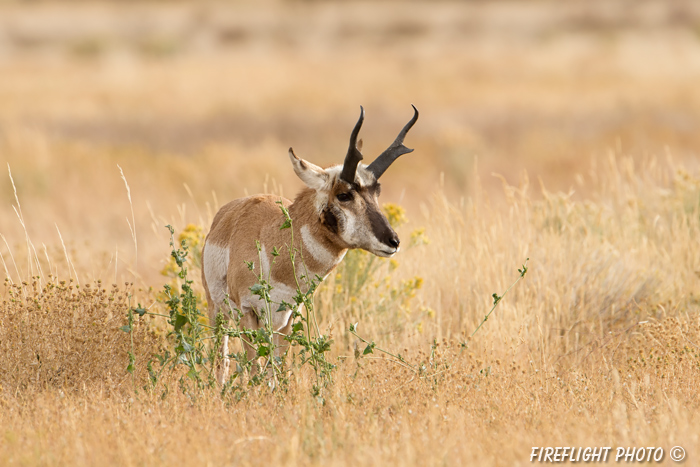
(287, 219)
(186, 347)
(140, 310)
(132, 360)
(297, 327)
(262, 336)
(180, 321)
(369, 349)
(126, 328)
(163, 358)
(325, 345)
(263, 351)
(298, 298)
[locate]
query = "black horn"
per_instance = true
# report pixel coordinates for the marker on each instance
(354, 156)
(385, 159)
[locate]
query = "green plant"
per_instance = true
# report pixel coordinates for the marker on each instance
(189, 334)
(371, 346)
(497, 298)
(305, 332)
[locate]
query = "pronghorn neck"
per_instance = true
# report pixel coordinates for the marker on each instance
(322, 246)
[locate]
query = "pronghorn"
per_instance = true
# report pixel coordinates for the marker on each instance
(336, 211)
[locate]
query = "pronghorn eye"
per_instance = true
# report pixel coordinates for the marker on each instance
(344, 197)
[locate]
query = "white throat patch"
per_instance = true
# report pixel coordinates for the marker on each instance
(318, 251)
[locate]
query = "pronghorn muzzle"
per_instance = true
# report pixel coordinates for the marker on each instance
(383, 231)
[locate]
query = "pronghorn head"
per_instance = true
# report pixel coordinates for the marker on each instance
(347, 195)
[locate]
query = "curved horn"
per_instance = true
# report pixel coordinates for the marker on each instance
(354, 156)
(385, 159)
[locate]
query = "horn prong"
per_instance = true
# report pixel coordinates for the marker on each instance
(397, 148)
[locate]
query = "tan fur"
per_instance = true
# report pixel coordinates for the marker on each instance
(237, 226)
(243, 221)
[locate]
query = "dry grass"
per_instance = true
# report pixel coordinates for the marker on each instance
(597, 346)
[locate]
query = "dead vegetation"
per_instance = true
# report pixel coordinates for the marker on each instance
(58, 334)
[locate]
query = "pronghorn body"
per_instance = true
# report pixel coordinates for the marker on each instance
(338, 210)
(250, 218)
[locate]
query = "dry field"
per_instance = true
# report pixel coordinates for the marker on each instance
(563, 132)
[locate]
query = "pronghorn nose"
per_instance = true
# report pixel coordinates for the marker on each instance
(394, 241)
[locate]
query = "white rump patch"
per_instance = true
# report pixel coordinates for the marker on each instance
(215, 269)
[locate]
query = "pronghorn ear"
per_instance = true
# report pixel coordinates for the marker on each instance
(312, 175)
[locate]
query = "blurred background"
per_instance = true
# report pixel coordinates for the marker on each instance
(198, 102)
(566, 132)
